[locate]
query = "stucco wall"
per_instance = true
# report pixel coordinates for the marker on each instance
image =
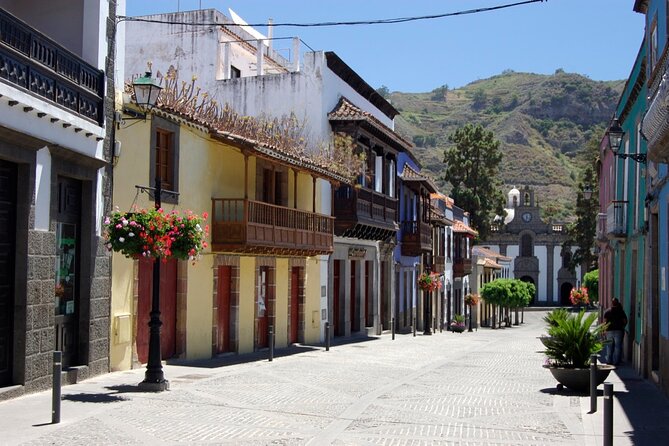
(542, 289)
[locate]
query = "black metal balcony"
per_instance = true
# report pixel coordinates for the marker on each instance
(616, 219)
(35, 63)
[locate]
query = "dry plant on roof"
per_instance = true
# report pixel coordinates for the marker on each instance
(286, 134)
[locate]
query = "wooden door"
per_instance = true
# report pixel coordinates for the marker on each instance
(353, 308)
(294, 304)
(334, 320)
(8, 178)
(262, 307)
(168, 308)
(223, 294)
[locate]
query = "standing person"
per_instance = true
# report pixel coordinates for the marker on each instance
(617, 319)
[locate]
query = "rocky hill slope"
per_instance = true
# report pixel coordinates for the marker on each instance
(542, 121)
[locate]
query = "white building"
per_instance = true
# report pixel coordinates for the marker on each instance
(536, 249)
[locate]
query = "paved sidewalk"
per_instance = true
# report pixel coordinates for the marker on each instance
(480, 388)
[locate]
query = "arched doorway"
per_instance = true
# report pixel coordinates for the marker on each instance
(529, 279)
(565, 291)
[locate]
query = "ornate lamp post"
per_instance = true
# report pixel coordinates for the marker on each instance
(147, 90)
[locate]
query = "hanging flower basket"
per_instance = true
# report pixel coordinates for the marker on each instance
(429, 282)
(156, 233)
(471, 300)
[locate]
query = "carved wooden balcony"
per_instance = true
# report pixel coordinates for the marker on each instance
(416, 238)
(364, 213)
(35, 63)
(462, 267)
(254, 227)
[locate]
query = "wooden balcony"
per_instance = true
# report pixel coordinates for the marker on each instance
(364, 213)
(254, 227)
(462, 267)
(33, 62)
(438, 264)
(416, 238)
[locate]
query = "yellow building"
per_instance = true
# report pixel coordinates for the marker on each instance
(261, 267)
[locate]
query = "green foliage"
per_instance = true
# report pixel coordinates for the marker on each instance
(554, 317)
(571, 341)
(459, 319)
(511, 293)
(472, 168)
(591, 282)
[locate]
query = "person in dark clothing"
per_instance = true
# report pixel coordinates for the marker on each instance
(617, 319)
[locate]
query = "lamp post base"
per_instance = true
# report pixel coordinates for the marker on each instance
(157, 386)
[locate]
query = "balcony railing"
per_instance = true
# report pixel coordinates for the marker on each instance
(364, 213)
(254, 227)
(416, 238)
(616, 219)
(32, 61)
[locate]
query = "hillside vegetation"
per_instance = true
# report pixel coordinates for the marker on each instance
(542, 121)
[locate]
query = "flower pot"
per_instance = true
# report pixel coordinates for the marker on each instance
(579, 379)
(457, 328)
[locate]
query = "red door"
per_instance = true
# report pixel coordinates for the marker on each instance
(294, 304)
(263, 308)
(354, 319)
(335, 298)
(223, 294)
(168, 308)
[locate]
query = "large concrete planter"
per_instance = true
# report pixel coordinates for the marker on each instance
(579, 379)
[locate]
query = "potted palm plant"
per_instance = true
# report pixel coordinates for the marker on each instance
(571, 340)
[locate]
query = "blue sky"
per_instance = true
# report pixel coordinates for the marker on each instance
(597, 38)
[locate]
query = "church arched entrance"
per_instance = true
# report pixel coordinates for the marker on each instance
(529, 279)
(565, 291)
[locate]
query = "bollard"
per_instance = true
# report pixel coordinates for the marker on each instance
(414, 326)
(327, 336)
(392, 327)
(608, 414)
(271, 343)
(55, 397)
(593, 383)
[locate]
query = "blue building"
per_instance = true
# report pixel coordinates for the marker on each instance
(654, 324)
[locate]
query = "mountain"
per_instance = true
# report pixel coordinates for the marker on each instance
(542, 121)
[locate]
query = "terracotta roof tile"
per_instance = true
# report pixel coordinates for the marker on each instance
(460, 227)
(346, 111)
(410, 174)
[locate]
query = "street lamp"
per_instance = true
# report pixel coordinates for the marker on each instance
(146, 91)
(587, 192)
(616, 134)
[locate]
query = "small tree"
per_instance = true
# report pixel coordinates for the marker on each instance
(383, 91)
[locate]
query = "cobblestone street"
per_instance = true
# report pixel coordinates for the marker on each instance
(480, 388)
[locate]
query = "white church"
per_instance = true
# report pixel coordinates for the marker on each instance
(536, 249)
